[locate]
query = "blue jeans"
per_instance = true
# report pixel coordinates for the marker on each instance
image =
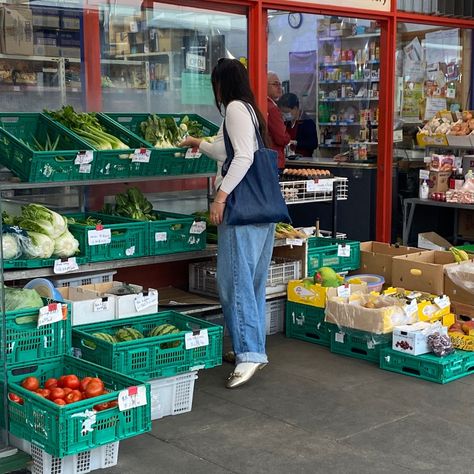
(243, 257)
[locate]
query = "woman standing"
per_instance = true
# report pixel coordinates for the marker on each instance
(244, 251)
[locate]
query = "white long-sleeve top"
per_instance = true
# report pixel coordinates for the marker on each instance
(241, 131)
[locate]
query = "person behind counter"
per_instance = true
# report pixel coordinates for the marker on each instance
(299, 126)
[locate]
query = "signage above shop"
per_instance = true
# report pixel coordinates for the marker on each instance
(374, 5)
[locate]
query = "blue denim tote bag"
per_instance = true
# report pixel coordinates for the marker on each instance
(257, 199)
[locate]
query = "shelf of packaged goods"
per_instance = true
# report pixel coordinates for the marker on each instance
(336, 38)
(345, 124)
(340, 145)
(38, 58)
(147, 55)
(25, 273)
(351, 99)
(351, 81)
(122, 62)
(123, 90)
(349, 63)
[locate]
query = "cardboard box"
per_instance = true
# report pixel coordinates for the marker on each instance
(376, 258)
(462, 310)
(466, 224)
(438, 182)
(465, 272)
(413, 338)
(169, 40)
(423, 271)
(432, 241)
(16, 27)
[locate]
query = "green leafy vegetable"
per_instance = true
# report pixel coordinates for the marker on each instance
(38, 246)
(21, 298)
(66, 245)
(10, 246)
(38, 218)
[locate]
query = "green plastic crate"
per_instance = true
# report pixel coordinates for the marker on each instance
(170, 161)
(39, 166)
(467, 248)
(359, 344)
(115, 163)
(172, 233)
(307, 323)
(428, 366)
(151, 357)
(128, 240)
(323, 252)
(62, 430)
(26, 342)
(36, 262)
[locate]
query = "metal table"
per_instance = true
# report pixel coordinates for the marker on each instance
(409, 206)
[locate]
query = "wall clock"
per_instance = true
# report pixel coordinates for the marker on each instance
(295, 20)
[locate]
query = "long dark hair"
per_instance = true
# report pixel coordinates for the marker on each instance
(230, 81)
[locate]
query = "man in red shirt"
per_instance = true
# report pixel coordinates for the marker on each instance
(276, 126)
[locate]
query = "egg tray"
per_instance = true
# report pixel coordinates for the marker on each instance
(285, 178)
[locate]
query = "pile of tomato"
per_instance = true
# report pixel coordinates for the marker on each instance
(65, 390)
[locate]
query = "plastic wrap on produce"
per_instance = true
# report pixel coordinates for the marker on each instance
(374, 313)
(462, 275)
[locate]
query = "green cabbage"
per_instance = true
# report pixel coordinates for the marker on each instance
(21, 298)
(38, 246)
(66, 245)
(11, 246)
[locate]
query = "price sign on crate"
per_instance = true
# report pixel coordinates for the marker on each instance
(198, 227)
(192, 153)
(132, 397)
(161, 236)
(297, 242)
(411, 309)
(442, 302)
(142, 302)
(84, 157)
(99, 237)
(85, 168)
(65, 266)
(141, 155)
(49, 314)
(101, 304)
(343, 250)
(319, 185)
(195, 339)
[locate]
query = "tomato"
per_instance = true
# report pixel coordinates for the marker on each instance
(113, 404)
(73, 397)
(72, 381)
(94, 389)
(15, 398)
(51, 383)
(101, 406)
(61, 381)
(59, 401)
(30, 383)
(96, 379)
(56, 393)
(84, 382)
(44, 392)
(78, 394)
(67, 390)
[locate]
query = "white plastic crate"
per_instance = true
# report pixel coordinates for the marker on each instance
(80, 463)
(202, 276)
(309, 190)
(84, 279)
(172, 395)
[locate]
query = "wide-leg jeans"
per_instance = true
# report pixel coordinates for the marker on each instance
(243, 258)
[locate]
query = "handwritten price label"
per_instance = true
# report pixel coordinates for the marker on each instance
(65, 266)
(192, 153)
(297, 242)
(101, 305)
(132, 397)
(142, 302)
(141, 155)
(195, 339)
(85, 168)
(443, 302)
(130, 251)
(161, 236)
(319, 185)
(411, 309)
(198, 227)
(99, 237)
(343, 250)
(84, 157)
(343, 291)
(49, 314)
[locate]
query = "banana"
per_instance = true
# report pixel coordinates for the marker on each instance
(459, 255)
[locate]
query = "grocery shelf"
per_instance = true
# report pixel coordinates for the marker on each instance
(38, 58)
(122, 62)
(349, 63)
(336, 38)
(339, 145)
(345, 124)
(350, 81)
(349, 99)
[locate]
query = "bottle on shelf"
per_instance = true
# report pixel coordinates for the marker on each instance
(424, 190)
(458, 179)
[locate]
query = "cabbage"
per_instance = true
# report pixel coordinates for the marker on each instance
(38, 246)
(66, 245)
(11, 246)
(40, 219)
(16, 298)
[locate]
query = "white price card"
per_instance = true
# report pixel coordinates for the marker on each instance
(84, 157)
(319, 185)
(133, 27)
(192, 153)
(297, 242)
(132, 397)
(424, 174)
(64, 266)
(85, 168)
(411, 309)
(130, 251)
(195, 339)
(99, 237)
(443, 302)
(343, 291)
(100, 304)
(339, 337)
(198, 227)
(50, 313)
(16, 88)
(142, 302)
(141, 155)
(343, 250)
(161, 236)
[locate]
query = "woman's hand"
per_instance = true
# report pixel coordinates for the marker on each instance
(216, 212)
(190, 142)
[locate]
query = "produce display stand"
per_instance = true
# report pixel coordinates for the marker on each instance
(409, 206)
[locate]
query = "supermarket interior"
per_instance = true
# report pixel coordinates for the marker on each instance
(114, 345)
